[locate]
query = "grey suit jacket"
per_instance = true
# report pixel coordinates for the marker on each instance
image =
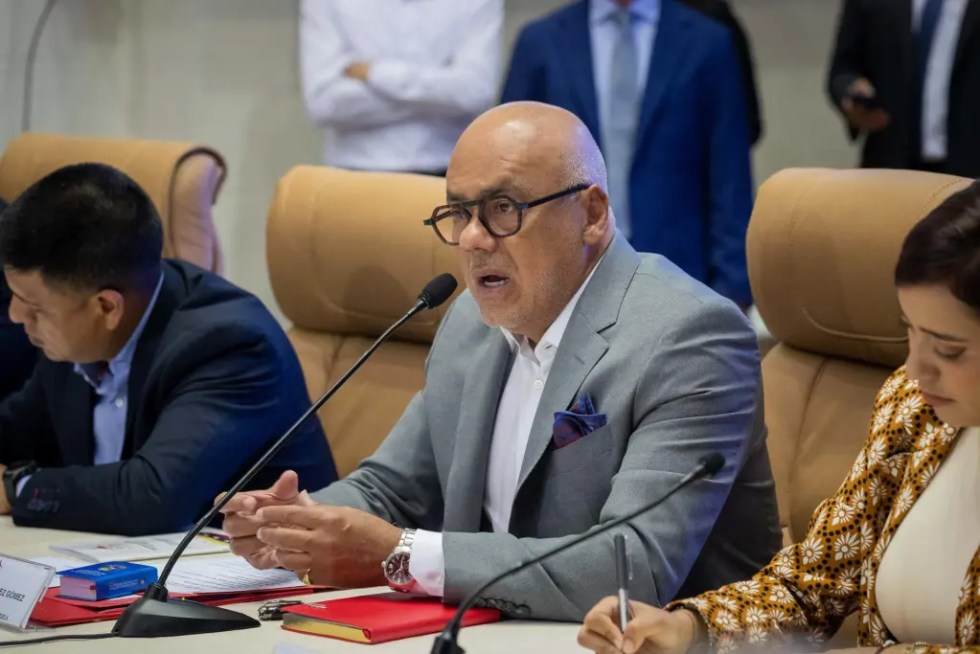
(673, 366)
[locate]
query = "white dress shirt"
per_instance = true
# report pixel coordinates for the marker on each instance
(511, 431)
(923, 569)
(434, 66)
(939, 71)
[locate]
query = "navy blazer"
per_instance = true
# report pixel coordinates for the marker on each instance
(213, 382)
(691, 181)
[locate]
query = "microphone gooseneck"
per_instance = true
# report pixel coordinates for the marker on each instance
(132, 623)
(445, 642)
(435, 293)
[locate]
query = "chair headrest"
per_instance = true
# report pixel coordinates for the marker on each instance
(348, 252)
(822, 247)
(172, 173)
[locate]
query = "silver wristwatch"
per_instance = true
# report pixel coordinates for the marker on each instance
(395, 566)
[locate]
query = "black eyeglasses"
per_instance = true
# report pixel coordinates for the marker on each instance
(499, 214)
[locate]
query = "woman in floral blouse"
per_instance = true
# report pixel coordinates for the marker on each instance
(900, 541)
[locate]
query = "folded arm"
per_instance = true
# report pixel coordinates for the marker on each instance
(465, 85)
(396, 90)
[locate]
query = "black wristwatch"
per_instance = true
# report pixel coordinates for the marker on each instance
(12, 476)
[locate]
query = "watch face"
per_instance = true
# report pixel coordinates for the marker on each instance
(396, 569)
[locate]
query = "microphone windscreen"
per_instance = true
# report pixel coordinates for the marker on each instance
(712, 463)
(438, 290)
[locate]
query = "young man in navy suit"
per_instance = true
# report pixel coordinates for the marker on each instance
(159, 383)
(659, 86)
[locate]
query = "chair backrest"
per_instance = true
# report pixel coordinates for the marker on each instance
(822, 247)
(348, 255)
(182, 180)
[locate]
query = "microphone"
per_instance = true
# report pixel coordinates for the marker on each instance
(445, 642)
(153, 615)
(437, 291)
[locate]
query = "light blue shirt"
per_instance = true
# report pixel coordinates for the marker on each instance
(109, 414)
(603, 34)
(111, 384)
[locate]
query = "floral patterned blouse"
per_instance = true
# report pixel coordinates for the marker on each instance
(809, 588)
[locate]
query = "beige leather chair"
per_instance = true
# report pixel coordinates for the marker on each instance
(822, 247)
(182, 180)
(348, 255)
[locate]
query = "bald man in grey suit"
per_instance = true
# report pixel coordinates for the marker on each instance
(574, 381)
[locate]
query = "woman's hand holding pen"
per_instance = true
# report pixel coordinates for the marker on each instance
(650, 630)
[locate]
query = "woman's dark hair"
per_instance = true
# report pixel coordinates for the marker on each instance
(944, 248)
(86, 226)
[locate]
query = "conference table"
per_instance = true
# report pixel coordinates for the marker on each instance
(516, 637)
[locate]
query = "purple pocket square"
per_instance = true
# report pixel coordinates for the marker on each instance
(576, 423)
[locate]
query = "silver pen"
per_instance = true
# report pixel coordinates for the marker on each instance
(622, 580)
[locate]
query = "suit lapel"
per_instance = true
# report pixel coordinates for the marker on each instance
(670, 43)
(578, 59)
(468, 473)
(146, 349)
(78, 442)
(582, 346)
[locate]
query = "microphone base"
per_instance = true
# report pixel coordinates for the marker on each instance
(446, 644)
(153, 618)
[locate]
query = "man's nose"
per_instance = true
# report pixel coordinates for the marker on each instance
(17, 311)
(476, 237)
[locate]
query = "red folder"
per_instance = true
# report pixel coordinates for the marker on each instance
(378, 618)
(55, 611)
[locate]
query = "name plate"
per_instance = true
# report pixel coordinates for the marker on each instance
(22, 584)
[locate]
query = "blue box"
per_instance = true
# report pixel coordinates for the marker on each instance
(101, 581)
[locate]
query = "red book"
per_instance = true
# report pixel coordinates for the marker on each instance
(378, 618)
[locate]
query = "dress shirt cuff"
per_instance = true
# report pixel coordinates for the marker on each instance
(427, 564)
(20, 487)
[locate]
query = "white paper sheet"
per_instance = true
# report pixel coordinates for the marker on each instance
(226, 574)
(143, 547)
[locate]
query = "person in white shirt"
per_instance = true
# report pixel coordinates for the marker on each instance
(393, 83)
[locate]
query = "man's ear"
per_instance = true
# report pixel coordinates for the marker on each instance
(597, 215)
(110, 305)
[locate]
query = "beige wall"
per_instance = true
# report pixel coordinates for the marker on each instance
(224, 72)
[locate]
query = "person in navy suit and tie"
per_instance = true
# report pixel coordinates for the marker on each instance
(659, 86)
(905, 76)
(157, 385)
